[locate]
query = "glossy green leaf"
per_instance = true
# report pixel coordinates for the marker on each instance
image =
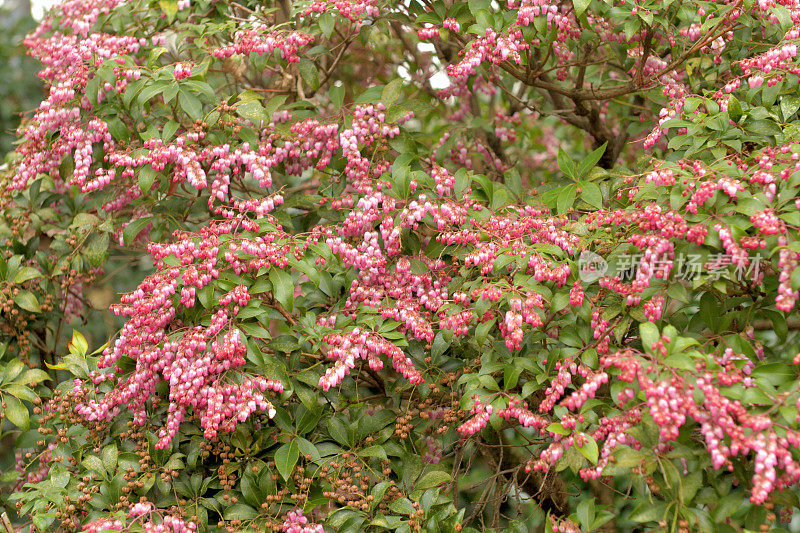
(190, 104)
(589, 449)
(286, 458)
(27, 301)
(15, 412)
(309, 73)
(282, 288)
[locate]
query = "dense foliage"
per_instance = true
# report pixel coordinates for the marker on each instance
(429, 266)
(20, 90)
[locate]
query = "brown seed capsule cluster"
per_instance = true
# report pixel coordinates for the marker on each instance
(434, 415)
(350, 480)
(71, 512)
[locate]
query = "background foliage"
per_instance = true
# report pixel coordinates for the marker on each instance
(20, 91)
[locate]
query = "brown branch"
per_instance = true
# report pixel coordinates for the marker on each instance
(648, 43)
(278, 307)
(766, 325)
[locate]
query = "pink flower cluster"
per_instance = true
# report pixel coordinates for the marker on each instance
(728, 428)
(779, 60)
(67, 61)
(353, 10)
(39, 473)
(258, 40)
(183, 70)
(787, 263)
(524, 416)
(360, 344)
(194, 361)
(478, 421)
(557, 386)
(767, 222)
(451, 24)
(493, 48)
(427, 33)
(167, 524)
(511, 328)
(576, 294)
(297, 523)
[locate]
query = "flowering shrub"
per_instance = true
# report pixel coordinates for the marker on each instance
(436, 265)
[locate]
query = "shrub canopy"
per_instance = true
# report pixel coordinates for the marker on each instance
(433, 266)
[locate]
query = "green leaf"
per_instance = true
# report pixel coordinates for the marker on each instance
(476, 5)
(392, 92)
(556, 427)
(789, 106)
(566, 164)
(27, 301)
(337, 430)
(151, 91)
(309, 73)
(326, 24)
(511, 375)
(591, 160)
(97, 249)
(589, 449)
(118, 129)
(282, 287)
(254, 330)
(585, 512)
(110, 456)
(482, 331)
(59, 479)
(372, 424)
(78, 344)
(649, 333)
(566, 198)
(763, 127)
(402, 506)
(147, 175)
(169, 8)
(190, 104)
(286, 457)
(580, 6)
(627, 457)
(169, 130)
(649, 511)
(336, 94)
(12, 370)
(783, 15)
(21, 391)
(240, 511)
(250, 490)
(709, 310)
(15, 412)
(26, 273)
(33, 376)
(273, 104)
(374, 451)
(133, 229)
(92, 462)
(432, 479)
(734, 108)
(592, 195)
(678, 292)
(690, 485)
(253, 111)
(631, 26)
